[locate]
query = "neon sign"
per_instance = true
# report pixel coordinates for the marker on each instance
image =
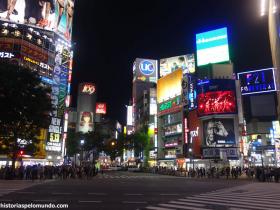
(258, 81)
(100, 108)
(88, 88)
(216, 102)
(170, 106)
(6, 55)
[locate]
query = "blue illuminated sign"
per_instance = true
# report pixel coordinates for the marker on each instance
(46, 80)
(146, 67)
(192, 94)
(258, 81)
(212, 47)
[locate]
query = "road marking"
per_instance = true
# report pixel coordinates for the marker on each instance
(44, 200)
(25, 192)
(135, 202)
(169, 194)
(133, 194)
(237, 199)
(6, 200)
(182, 207)
(183, 203)
(97, 193)
(157, 208)
(61, 193)
(226, 203)
(90, 201)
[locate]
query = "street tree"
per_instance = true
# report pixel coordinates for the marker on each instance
(25, 109)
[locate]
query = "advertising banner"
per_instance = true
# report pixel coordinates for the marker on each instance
(170, 106)
(184, 62)
(53, 15)
(87, 88)
(192, 93)
(218, 102)
(204, 86)
(216, 153)
(258, 81)
(169, 86)
(145, 70)
(212, 47)
(100, 108)
(194, 133)
(218, 131)
(86, 122)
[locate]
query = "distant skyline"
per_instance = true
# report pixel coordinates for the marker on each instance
(109, 35)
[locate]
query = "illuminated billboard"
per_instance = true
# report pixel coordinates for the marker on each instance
(258, 81)
(145, 70)
(184, 62)
(129, 115)
(169, 86)
(218, 131)
(169, 106)
(194, 133)
(191, 93)
(100, 108)
(212, 47)
(86, 122)
(217, 102)
(49, 15)
(87, 88)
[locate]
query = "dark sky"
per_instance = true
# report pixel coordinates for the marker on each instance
(109, 35)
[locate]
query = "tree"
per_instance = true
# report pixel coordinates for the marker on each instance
(25, 109)
(72, 142)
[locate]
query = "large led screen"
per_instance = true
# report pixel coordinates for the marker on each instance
(258, 81)
(100, 108)
(184, 62)
(212, 47)
(217, 102)
(169, 86)
(218, 131)
(50, 15)
(145, 70)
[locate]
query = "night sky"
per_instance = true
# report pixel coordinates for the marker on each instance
(109, 35)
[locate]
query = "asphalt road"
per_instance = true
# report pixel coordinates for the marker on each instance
(117, 190)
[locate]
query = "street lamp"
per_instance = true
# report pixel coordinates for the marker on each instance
(82, 142)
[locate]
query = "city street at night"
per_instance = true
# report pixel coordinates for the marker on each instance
(127, 190)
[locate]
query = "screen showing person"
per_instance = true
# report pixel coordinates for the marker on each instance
(219, 131)
(86, 119)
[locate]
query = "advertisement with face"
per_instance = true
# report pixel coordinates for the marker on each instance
(184, 62)
(218, 131)
(86, 122)
(145, 70)
(54, 15)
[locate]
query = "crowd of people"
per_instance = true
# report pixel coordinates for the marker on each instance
(268, 174)
(33, 172)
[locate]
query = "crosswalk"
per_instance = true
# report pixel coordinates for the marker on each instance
(9, 186)
(254, 196)
(105, 176)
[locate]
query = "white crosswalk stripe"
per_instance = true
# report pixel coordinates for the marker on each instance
(9, 186)
(125, 177)
(254, 196)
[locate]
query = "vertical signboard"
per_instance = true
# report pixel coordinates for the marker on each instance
(192, 93)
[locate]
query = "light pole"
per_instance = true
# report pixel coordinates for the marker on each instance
(82, 142)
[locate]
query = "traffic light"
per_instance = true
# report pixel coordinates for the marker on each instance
(21, 152)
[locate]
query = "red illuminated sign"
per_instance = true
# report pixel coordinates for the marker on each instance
(88, 88)
(216, 102)
(100, 108)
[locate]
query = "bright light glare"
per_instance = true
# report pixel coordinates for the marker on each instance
(263, 3)
(274, 9)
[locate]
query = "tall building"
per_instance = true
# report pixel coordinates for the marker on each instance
(145, 74)
(38, 37)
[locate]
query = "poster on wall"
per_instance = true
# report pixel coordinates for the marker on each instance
(218, 131)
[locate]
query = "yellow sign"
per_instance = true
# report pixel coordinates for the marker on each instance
(169, 86)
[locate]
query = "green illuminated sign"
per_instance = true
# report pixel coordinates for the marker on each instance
(169, 104)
